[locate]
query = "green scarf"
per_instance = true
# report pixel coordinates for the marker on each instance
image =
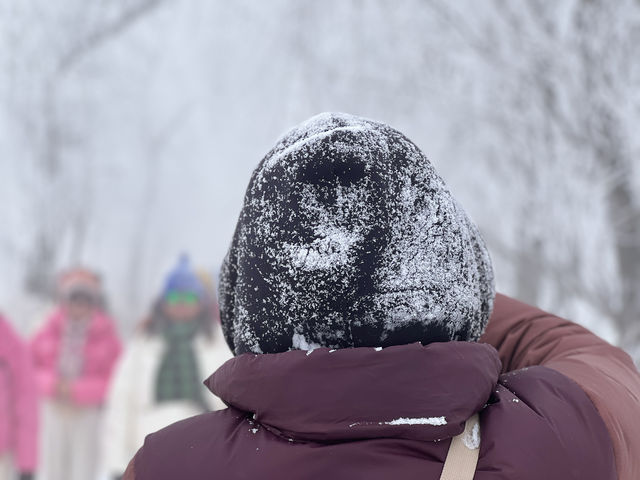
(179, 376)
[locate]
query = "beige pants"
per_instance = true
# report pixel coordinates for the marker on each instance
(5, 467)
(69, 442)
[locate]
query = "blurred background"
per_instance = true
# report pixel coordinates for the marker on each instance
(129, 130)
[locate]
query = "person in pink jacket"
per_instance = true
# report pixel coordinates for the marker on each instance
(18, 406)
(74, 353)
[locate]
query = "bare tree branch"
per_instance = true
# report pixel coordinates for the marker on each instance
(98, 38)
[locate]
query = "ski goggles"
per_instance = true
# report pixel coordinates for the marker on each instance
(181, 298)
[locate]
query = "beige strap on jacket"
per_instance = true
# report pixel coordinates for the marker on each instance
(462, 458)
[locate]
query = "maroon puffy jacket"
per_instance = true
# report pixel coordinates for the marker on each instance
(555, 402)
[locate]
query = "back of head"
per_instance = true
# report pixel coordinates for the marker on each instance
(348, 238)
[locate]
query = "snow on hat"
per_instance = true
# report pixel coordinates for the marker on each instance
(348, 237)
(183, 279)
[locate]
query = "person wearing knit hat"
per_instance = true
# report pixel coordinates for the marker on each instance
(183, 279)
(357, 296)
(159, 380)
(74, 354)
(349, 238)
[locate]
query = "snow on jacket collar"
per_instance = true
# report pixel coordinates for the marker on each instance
(326, 395)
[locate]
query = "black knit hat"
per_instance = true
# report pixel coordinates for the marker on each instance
(347, 238)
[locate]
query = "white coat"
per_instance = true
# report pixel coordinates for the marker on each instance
(132, 412)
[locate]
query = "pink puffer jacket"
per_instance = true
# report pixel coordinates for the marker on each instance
(101, 350)
(18, 401)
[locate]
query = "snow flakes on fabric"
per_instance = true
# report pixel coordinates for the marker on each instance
(432, 421)
(348, 237)
(436, 421)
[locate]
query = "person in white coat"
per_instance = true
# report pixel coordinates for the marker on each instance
(159, 379)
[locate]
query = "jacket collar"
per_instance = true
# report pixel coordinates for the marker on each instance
(410, 391)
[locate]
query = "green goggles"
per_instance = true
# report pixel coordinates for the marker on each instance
(181, 298)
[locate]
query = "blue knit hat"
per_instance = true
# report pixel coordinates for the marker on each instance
(183, 279)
